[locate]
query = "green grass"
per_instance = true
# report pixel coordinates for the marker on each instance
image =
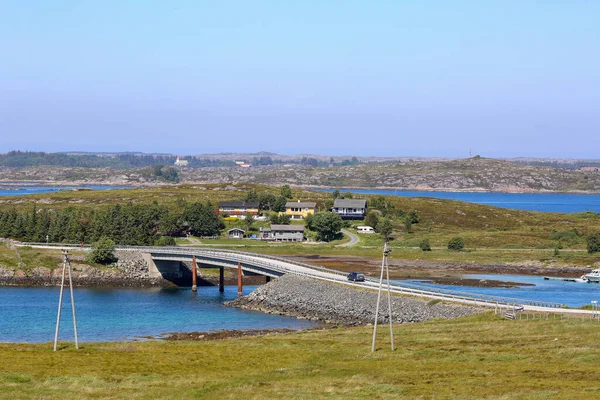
(469, 358)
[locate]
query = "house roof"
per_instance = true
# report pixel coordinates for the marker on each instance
(238, 204)
(288, 228)
(350, 203)
(236, 229)
(305, 204)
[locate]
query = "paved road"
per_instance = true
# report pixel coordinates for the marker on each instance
(276, 266)
(353, 239)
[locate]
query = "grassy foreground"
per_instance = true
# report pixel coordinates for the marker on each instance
(475, 357)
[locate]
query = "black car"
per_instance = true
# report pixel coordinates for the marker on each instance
(356, 276)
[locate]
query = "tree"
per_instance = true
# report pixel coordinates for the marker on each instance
(424, 245)
(327, 225)
(593, 243)
(249, 220)
(279, 205)
(335, 194)
(309, 221)
(266, 201)
(407, 221)
(456, 244)
(252, 196)
(414, 217)
(103, 252)
(372, 219)
(202, 220)
(346, 195)
(384, 227)
(286, 192)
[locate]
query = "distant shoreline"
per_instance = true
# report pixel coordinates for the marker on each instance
(15, 185)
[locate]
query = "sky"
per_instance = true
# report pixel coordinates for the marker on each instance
(502, 78)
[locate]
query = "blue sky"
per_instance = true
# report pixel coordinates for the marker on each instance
(505, 78)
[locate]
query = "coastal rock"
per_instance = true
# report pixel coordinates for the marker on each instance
(316, 300)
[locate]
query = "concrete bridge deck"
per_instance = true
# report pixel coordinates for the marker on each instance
(274, 266)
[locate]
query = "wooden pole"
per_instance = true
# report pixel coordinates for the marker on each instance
(240, 283)
(194, 274)
(66, 266)
(221, 280)
(62, 286)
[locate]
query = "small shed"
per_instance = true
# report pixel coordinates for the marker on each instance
(235, 233)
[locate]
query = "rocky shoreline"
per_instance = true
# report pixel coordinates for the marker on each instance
(330, 303)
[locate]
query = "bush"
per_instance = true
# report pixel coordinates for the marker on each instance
(384, 227)
(424, 245)
(103, 252)
(569, 236)
(456, 244)
(593, 243)
(165, 241)
(372, 219)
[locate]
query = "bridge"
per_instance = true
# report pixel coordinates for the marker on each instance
(164, 260)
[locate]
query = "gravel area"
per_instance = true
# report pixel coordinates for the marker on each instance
(336, 304)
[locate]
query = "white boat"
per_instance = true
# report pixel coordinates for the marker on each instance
(593, 276)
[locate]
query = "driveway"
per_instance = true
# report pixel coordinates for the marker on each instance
(353, 239)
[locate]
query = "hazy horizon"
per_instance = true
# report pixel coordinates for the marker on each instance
(504, 79)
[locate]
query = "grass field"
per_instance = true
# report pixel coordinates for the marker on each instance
(469, 358)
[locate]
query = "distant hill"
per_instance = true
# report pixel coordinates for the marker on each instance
(473, 174)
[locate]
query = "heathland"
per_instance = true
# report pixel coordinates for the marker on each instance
(491, 235)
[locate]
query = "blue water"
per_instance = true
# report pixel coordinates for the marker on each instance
(549, 202)
(572, 294)
(28, 314)
(25, 190)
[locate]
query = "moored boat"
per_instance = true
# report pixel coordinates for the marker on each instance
(593, 276)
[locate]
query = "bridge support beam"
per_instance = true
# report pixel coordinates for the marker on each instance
(240, 283)
(221, 279)
(194, 274)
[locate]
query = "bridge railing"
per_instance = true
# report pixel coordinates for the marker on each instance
(413, 288)
(315, 271)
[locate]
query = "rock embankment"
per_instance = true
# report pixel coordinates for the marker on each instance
(129, 271)
(331, 303)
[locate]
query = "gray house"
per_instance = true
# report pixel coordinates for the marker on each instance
(236, 233)
(350, 208)
(284, 233)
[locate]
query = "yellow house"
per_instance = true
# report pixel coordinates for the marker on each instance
(299, 210)
(238, 208)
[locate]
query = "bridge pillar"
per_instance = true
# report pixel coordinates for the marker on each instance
(221, 280)
(194, 274)
(240, 283)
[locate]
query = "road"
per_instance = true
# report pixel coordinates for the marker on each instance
(353, 239)
(276, 266)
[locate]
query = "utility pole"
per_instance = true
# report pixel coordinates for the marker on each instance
(384, 266)
(66, 266)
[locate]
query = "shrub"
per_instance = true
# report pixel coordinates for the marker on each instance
(456, 244)
(103, 252)
(568, 236)
(165, 241)
(593, 243)
(424, 245)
